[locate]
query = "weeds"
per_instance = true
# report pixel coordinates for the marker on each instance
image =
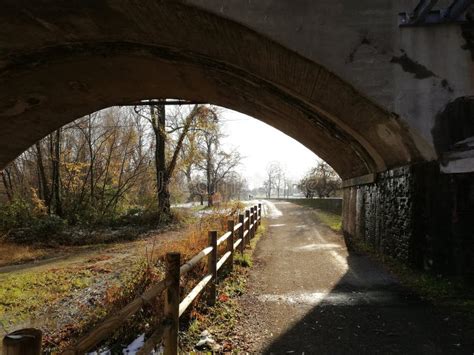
(220, 319)
(331, 220)
(244, 260)
(439, 289)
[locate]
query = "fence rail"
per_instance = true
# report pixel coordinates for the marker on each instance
(236, 238)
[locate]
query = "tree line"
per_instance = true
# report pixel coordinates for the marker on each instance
(122, 160)
(320, 181)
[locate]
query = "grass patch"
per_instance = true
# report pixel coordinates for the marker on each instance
(332, 205)
(327, 211)
(22, 295)
(11, 253)
(438, 289)
(244, 260)
(330, 220)
(221, 319)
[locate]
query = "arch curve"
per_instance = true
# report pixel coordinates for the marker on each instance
(76, 57)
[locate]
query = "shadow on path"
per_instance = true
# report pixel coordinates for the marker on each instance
(354, 318)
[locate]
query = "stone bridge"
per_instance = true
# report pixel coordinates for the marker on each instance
(383, 97)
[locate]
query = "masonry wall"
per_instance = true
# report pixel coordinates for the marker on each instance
(416, 215)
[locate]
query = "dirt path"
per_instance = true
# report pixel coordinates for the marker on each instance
(308, 294)
(93, 270)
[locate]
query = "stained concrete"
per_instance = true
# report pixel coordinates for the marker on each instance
(65, 59)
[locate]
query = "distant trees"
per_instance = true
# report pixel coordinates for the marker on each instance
(276, 181)
(209, 168)
(117, 160)
(86, 170)
(321, 181)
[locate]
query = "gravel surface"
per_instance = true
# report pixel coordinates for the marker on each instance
(307, 293)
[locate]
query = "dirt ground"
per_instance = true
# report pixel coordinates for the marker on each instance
(39, 294)
(308, 294)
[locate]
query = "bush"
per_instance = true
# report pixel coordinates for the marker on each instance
(16, 214)
(47, 226)
(37, 230)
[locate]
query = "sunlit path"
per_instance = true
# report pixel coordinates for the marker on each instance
(309, 294)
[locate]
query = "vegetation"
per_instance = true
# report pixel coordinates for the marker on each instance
(439, 289)
(97, 284)
(332, 220)
(219, 320)
(321, 181)
(116, 167)
(277, 183)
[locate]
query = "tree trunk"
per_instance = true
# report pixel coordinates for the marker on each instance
(162, 179)
(56, 174)
(8, 187)
(43, 182)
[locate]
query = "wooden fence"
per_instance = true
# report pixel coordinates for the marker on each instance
(236, 238)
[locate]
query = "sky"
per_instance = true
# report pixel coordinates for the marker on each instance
(260, 144)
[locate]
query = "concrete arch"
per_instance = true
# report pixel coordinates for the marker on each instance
(60, 60)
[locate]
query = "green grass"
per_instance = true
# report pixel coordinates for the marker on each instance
(244, 260)
(438, 289)
(331, 205)
(329, 219)
(325, 211)
(220, 319)
(23, 294)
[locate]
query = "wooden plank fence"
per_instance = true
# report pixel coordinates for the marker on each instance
(236, 238)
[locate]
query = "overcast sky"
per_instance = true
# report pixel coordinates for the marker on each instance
(261, 144)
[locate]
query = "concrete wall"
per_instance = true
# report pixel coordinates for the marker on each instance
(414, 72)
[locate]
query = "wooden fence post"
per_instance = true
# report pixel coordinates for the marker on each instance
(170, 339)
(23, 342)
(259, 214)
(241, 233)
(247, 225)
(230, 245)
(252, 220)
(212, 268)
(255, 208)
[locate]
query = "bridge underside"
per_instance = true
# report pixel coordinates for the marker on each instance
(60, 60)
(59, 64)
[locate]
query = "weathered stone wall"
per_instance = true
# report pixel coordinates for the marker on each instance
(417, 215)
(383, 214)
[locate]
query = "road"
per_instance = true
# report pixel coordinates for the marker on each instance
(308, 294)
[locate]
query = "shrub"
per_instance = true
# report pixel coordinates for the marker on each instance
(47, 226)
(16, 214)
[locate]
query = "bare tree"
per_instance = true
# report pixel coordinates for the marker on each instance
(216, 164)
(273, 180)
(321, 181)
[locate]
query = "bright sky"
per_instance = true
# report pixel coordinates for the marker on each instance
(273, 145)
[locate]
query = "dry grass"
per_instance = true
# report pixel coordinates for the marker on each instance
(196, 234)
(14, 254)
(146, 270)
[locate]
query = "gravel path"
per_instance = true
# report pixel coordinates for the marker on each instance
(308, 294)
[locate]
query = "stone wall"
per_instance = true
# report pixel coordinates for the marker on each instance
(417, 215)
(383, 214)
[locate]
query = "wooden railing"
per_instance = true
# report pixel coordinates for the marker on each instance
(236, 238)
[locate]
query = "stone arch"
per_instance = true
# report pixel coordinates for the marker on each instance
(60, 60)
